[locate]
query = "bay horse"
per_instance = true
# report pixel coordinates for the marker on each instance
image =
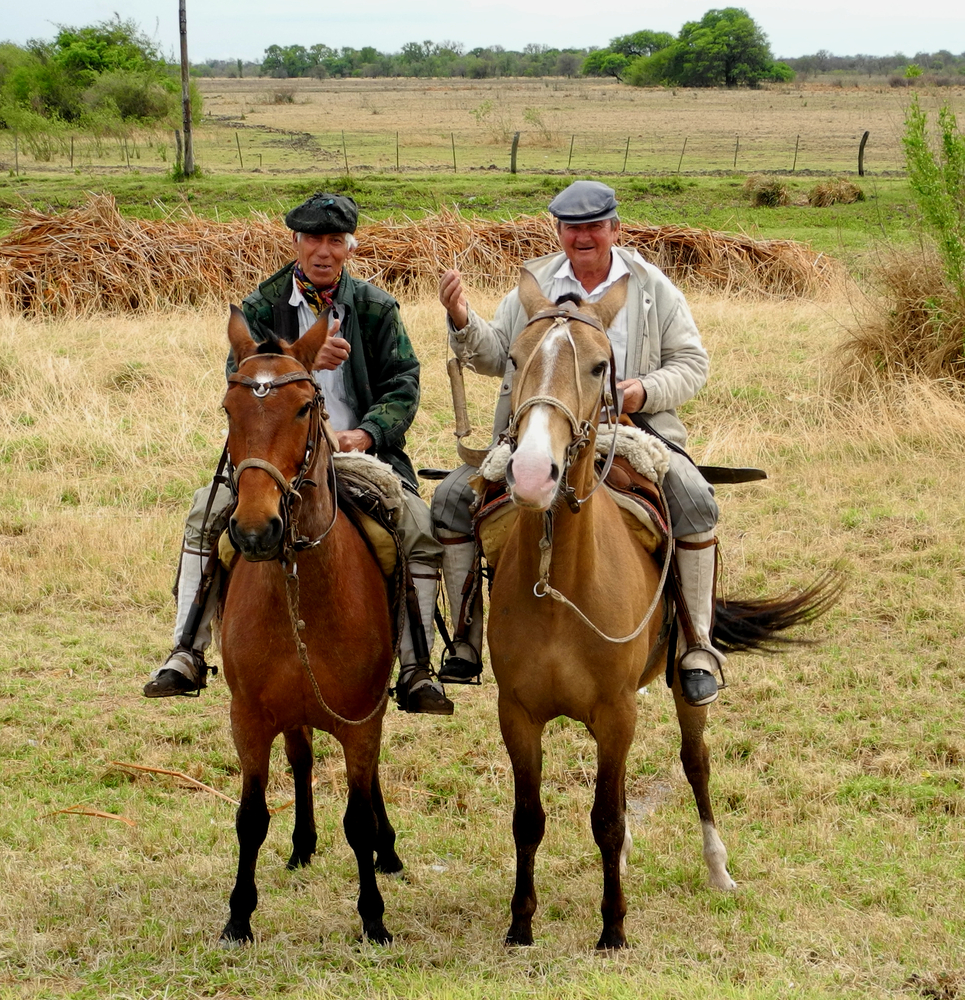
(576, 605)
(306, 628)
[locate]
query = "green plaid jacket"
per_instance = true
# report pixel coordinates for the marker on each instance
(381, 374)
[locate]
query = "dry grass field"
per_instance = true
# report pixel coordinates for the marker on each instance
(839, 768)
(824, 124)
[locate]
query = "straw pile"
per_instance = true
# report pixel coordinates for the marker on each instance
(836, 192)
(92, 259)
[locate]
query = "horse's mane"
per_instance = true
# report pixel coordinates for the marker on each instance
(270, 345)
(569, 297)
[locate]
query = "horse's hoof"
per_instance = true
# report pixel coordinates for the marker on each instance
(518, 938)
(376, 934)
(389, 866)
(234, 937)
(611, 940)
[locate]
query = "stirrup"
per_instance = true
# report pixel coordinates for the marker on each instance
(698, 686)
(460, 670)
(170, 681)
(416, 692)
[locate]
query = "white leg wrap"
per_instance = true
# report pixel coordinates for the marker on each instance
(189, 580)
(457, 564)
(697, 584)
(426, 583)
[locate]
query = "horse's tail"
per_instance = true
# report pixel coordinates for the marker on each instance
(759, 624)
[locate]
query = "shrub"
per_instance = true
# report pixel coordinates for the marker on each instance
(836, 192)
(135, 96)
(766, 192)
(922, 328)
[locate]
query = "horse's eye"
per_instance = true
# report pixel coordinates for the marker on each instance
(304, 411)
(599, 369)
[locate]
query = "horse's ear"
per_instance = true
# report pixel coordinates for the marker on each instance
(310, 342)
(615, 299)
(239, 336)
(530, 294)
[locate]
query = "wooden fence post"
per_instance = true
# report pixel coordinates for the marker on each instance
(570, 160)
(864, 140)
(397, 152)
(512, 153)
(344, 151)
(796, 145)
(626, 155)
(240, 157)
(737, 146)
(452, 136)
(684, 150)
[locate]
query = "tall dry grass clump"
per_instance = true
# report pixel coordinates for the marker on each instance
(92, 259)
(835, 192)
(917, 330)
(766, 192)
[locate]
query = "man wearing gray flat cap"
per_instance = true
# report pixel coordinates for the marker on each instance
(661, 364)
(369, 375)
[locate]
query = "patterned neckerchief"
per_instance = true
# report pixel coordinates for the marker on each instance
(319, 299)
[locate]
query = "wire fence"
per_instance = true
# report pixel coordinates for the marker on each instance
(259, 149)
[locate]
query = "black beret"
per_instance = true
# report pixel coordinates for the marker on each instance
(585, 201)
(324, 213)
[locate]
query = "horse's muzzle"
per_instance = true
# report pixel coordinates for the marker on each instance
(259, 544)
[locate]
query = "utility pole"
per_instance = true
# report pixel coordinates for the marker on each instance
(186, 93)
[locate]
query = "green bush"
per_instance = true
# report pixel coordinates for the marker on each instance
(135, 96)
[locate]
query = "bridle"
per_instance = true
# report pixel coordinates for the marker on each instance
(561, 316)
(290, 489)
(293, 542)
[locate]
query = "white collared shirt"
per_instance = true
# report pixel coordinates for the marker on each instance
(564, 283)
(332, 383)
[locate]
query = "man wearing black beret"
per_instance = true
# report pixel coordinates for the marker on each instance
(660, 363)
(369, 375)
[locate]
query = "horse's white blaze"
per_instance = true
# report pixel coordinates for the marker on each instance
(532, 462)
(627, 848)
(715, 854)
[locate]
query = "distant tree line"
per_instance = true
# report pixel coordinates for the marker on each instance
(823, 63)
(416, 59)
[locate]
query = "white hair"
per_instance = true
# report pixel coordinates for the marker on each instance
(349, 239)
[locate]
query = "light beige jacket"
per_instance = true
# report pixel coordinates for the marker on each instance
(663, 346)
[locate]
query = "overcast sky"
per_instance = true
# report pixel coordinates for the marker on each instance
(230, 29)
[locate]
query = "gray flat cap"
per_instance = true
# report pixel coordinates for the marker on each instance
(324, 213)
(585, 201)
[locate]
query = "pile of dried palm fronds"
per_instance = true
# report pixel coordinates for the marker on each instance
(492, 252)
(92, 259)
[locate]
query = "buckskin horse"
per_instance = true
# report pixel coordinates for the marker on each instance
(577, 615)
(306, 628)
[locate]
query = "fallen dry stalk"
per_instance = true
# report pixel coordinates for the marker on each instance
(81, 810)
(200, 784)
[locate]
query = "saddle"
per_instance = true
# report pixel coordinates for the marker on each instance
(640, 463)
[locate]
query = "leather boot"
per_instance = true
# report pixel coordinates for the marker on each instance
(458, 564)
(416, 690)
(697, 564)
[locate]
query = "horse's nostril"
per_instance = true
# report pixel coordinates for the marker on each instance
(554, 472)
